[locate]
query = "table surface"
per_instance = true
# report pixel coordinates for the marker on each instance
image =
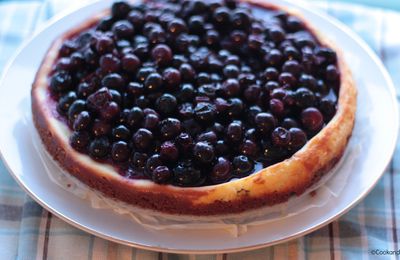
(27, 231)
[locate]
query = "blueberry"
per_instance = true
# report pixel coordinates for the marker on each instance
(186, 93)
(230, 87)
(184, 142)
(276, 34)
(292, 66)
(130, 63)
(186, 174)
(332, 73)
(142, 50)
(273, 58)
(304, 97)
(236, 107)
(308, 81)
(121, 132)
(110, 111)
(142, 102)
(65, 102)
(134, 117)
(169, 152)
(287, 79)
(120, 9)
(209, 137)
(204, 112)
(231, 71)
(143, 139)
(234, 132)
(297, 138)
(76, 61)
(99, 148)
(75, 108)
(120, 151)
(277, 107)
(196, 24)
(123, 29)
(85, 89)
(153, 162)
(289, 123)
(312, 119)
(203, 152)
(241, 19)
(221, 16)
(291, 53)
(217, 128)
(280, 137)
(328, 108)
(82, 121)
(60, 82)
(79, 140)
(166, 104)
(151, 121)
(135, 89)
(153, 81)
(203, 78)
(293, 24)
(99, 99)
(249, 148)
(104, 44)
(161, 174)
(212, 38)
(139, 160)
(178, 60)
(252, 93)
(242, 165)
(185, 111)
(105, 24)
(221, 171)
(187, 72)
(171, 77)
(265, 122)
(136, 18)
(162, 55)
(255, 42)
(221, 148)
(100, 128)
(170, 128)
(110, 63)
(177, 26)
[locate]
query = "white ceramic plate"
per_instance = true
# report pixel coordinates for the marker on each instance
(376, 102)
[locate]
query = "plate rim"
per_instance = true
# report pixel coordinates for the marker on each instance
(297, 4)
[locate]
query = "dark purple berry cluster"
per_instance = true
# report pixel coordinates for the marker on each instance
(192, 93)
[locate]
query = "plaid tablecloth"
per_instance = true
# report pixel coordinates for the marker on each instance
(29, 232)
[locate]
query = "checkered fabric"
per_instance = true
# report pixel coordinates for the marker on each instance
(29, 232)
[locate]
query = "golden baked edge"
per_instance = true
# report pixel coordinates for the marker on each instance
(269, 186)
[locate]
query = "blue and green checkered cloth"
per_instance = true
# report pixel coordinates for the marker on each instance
(27, 231)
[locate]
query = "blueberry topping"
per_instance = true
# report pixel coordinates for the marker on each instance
(193, 93)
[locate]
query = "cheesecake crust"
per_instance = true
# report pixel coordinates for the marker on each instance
(269, 186)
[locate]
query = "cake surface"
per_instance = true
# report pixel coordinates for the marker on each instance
(295, 92)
